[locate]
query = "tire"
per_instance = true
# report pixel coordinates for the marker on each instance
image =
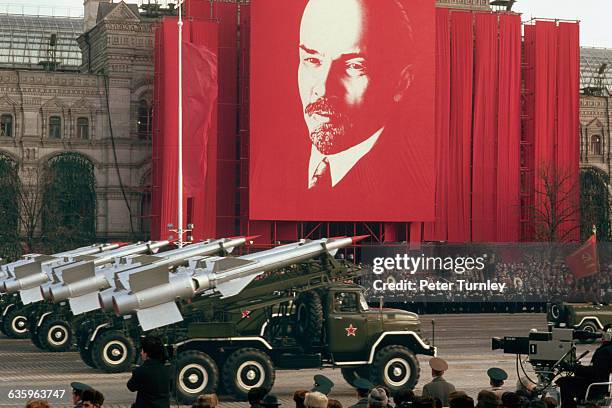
(15, 324)
(113, 352)
(557, 313)
(86, 357)
(245, 369)
(350, 374)
(55, 335)
(34, 334)
(590, 327)
(309, 318)
(196, 374)
(396, 368)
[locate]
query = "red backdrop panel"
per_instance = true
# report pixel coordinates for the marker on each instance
(344, 97)
(484, 154)
(199, 128)
(567, 155)
(460, 127)
(509, 130)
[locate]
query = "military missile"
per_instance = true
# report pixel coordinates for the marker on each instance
(153, 298)
(30, 276)
(80, 283)
(32, 270)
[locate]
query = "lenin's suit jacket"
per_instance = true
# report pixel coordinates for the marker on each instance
(438, 388)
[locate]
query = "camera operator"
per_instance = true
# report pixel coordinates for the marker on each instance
(152, 379)
(573, 389)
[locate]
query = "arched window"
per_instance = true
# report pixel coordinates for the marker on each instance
(68, 211)
(145, 120)
(596, 145)
(6, 125)
(83, 128)
(55, 127)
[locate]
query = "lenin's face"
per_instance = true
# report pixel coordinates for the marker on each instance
(345, 79)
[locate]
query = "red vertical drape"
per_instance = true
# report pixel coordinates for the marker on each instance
(156, 167)
(438, 230)
(460, 127)
(485, 128)
(509, 130)
(199, 136)
(528, 135)
(568, 148)
(545, 109)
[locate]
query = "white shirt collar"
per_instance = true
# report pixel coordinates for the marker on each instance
(341, 163)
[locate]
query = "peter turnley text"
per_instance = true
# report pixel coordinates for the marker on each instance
(424, 285)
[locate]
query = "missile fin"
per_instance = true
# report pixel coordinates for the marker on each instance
(28, 269)
(149, 278)
(158, 316)
(30, 295)
(146, 259)
(79, 272)
(235, 286)
(223, 264)
(85, 303)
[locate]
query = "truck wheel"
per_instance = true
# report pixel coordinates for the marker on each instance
(55, 335)
(113, 352)
(86, 357)
(196, 373)
(589, 327)
(396, 368)
(15, 324)
(309, 318)
(350, 374)
(245, 369)
(557, 313)
(34, 334)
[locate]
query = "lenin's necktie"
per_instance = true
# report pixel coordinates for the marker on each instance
(321, 177)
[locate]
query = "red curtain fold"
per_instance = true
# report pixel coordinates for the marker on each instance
(485, 128)
(199, 136)
(462, 47)
(156, 162)
(567, 154)
(438, 230)
(528, 135)
(509, 130)
(545, 110)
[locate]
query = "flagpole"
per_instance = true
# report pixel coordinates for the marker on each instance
(180, 125)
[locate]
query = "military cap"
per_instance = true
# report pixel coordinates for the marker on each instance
(497, 374)
(270, 400)
(438, 364)
(79, 387)
(322, 384)
(363, 384)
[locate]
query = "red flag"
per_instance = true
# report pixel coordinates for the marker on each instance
(584, 262)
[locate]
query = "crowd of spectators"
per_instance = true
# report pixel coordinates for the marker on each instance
(532, 279)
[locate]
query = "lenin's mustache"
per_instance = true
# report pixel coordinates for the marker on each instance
(327, 136)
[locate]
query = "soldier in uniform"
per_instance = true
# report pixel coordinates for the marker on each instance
(92, 399)
(322, 384)
(77, 393)
(438, 387)
(497, 376)
(363, 387)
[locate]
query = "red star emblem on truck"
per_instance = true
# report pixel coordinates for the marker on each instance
(246, 314)
(350, 331)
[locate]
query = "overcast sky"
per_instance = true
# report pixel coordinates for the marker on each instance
(595, 15)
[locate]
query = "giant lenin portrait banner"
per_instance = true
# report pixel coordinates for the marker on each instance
(342, 110)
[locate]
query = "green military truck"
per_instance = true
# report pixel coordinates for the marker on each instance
(304, 317)
(591, 317)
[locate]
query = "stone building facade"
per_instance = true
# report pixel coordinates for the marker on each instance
(100, 110)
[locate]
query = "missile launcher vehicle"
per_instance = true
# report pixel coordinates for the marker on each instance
(293, 307)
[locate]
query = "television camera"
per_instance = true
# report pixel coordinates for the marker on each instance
(550, 353)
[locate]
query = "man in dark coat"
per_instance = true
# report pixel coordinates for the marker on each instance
(363, 387)
(573, 389)
(151, 380)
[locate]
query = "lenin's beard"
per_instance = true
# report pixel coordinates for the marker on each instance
(329, 137)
